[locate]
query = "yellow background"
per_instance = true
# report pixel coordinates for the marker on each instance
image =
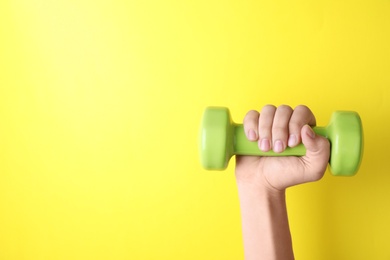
(100, 104)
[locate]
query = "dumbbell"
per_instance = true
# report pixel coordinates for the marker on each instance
(221, 138)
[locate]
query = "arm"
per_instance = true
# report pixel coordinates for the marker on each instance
(262, 181)
(265, 226)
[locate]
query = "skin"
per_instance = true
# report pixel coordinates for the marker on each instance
(262, 181)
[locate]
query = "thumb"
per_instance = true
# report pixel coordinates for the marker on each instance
(317, 153)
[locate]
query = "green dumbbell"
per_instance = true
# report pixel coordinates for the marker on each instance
(221, 138)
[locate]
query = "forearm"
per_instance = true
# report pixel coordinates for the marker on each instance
(265, 227)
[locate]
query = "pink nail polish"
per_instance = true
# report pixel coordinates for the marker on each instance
(252, 135)
(265, 145)
(292, 140)
(278, 146)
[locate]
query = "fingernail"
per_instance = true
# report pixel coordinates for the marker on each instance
(278, 146)
(311, 133)
(264, 145)
(252, 135)
(292, 140)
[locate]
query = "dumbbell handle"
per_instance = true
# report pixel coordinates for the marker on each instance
(242, 146)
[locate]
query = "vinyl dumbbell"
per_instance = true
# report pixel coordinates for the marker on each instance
(221, 138)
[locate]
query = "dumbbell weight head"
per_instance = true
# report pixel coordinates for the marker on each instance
(220, 139)
(216, 138)
(345, 133)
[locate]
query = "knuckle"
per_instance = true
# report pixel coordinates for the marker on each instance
(269, 106)
(302, 108)
(278, 129)
(294, 126)
(268, 109)
(279, 132)
(251, 113)
(285, 108)
(303, 115)
(251, 117)
(265, 124)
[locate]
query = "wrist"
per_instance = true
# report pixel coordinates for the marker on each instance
(254, 196)
(256, 184)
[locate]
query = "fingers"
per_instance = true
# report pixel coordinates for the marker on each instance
(276, 128)
(265, 127)
(251, 122)
(302, 116)
(280, 128)
(317, 154)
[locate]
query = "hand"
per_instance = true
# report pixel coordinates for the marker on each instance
(276, 128)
